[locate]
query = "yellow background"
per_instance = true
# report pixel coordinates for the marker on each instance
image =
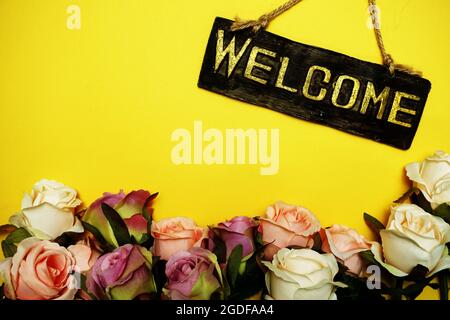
(95, 108)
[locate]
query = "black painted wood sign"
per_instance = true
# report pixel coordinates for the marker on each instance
(314, 84)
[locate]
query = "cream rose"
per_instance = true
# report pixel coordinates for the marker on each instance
(172, 235)
(432, 178)
(302, 274)
(345, 244)
(48, 211)
(413, 237)
(287, 225)
(52, 192)
(40, 270)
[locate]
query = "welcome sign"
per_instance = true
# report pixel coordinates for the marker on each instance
(314, 84)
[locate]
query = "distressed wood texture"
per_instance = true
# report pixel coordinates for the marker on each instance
(314, 84)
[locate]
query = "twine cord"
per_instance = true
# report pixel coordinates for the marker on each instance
(388, 61)
(263, 21)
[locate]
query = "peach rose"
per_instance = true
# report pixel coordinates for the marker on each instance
(40, 270)
(345, 244)
(287, 225)
(175, 234)
(85, 254)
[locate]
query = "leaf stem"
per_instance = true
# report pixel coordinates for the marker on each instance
(443, 285)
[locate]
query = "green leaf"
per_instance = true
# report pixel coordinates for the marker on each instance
(83, 286)
(118, 226)
(159, 274)
(418, 273)
(368, 257)
(406, 195)
(18, 235)
(419, 199)
(414, 290)
(144, 238)
(233, 264)
(434, 286)
(98, 236)
(9, 249)
(258, 239)
(317, 242)
(443, 285)
(443, 211)
(250, 282)
(373, 223)
(145, 210)
(7, 228)
(220, 250)
(68, 238)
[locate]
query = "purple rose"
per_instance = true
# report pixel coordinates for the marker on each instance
(237, 231)
(129, 207)
(192, 275)
(124, 274)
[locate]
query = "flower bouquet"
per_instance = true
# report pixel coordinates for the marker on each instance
(55, 249)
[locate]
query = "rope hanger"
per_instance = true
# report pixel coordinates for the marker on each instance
(263, 21)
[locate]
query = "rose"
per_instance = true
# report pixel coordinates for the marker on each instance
(85, 253)
(192, 275)
(237, 231)
(172, 235)
(48, 211)
(413, 237)
(432, 178)
(286, 225)
(39, 270)
(301, 274)
(124, 274)
(52, 192)
(345, 244)
(130, 207)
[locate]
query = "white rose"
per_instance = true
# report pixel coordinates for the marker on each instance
(432, 178)
(413, 237)
(302, 274)
(52, 192)
(48, 211)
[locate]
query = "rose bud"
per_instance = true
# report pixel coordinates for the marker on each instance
(124, 274)
(129, 207)
(237, 231)
(192, 275)
(286, 225)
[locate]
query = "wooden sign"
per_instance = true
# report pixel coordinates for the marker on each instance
(314, 84)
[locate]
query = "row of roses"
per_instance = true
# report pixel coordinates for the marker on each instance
(115, 250)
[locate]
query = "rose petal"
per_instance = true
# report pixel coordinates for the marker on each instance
(132, 204)
(49, 219)
(137, 226)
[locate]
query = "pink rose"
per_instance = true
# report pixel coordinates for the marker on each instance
(40, 270)
(129, 206)
(192, 275)
(345, 244)
(286, 225)
(237, 231)
(175, 234)
(124, 274)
